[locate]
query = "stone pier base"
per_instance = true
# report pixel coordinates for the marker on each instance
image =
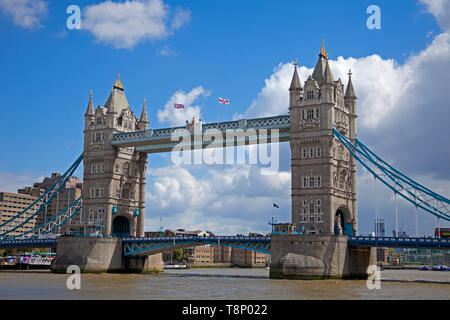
(318, 257)
(101, 255)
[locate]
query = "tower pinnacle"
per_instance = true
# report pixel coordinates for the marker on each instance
(350, 91)
(295, 83)
(118, 84)
(90, 107)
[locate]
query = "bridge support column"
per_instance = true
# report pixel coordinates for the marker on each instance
(318, 257)
(92, 254)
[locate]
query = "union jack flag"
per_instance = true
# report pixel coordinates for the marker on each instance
(178, 106)
(224, 101)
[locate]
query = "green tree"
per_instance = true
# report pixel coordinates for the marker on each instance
(177, 254)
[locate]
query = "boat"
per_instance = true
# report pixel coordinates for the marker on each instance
(440, 268)
(175, 266)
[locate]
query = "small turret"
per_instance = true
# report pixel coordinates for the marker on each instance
(350, 91)
(295, 90)
(89, 116)
(90, 107)
(327, 86)
(327, 75)
(143, 121)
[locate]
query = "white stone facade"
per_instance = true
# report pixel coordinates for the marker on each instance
(323, 171)
(114, 178)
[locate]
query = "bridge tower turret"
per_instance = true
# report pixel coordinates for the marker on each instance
(323, 171)
(114, 178)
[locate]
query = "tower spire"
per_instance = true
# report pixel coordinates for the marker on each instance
(90, 107)
(350, 91)
(295, 83)
(323, 52)
(319, 69)
(143, 121)
(327, 75)
(118, 84)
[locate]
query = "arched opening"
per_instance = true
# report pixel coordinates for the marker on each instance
(342, 225)
(121, 227)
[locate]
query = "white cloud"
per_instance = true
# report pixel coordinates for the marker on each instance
(178, 117)
(25, 13)
(166, 51)
(127, 23)
(226, 200)
(441, 10)
(11, 182)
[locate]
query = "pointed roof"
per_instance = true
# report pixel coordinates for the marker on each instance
(295, 83)
(144, 117)
(90, 107)
(117, 101)
(319, 69)
(327, 75)
(350, 91)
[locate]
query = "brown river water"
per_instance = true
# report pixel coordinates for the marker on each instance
(221, 284)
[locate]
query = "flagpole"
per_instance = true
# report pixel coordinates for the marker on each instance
(218, 105)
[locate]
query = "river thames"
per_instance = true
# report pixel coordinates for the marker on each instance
(221, 284)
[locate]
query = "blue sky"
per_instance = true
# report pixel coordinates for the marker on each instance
(232, 49)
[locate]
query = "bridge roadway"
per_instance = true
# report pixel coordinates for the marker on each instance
(145, 246)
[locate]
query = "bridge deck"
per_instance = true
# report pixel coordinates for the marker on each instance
(432, 243)
(134, 246)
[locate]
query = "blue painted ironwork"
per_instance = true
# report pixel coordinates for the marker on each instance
(55, 222)
(31, 243)
(143, 246)
(13, 223)
(399, 242)
(407, 188)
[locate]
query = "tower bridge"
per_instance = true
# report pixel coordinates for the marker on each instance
(321, 130)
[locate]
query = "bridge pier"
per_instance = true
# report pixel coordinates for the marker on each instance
(93, 254)
(318, 257)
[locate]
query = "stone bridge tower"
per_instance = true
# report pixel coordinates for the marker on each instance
(114, 178)
(323, 171)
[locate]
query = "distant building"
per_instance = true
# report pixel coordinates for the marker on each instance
(288, 228)
(11, 204)
(379, 228)
(214, 255)
(182, 232)
(69, 193)
(401, 234)
(426, 256)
